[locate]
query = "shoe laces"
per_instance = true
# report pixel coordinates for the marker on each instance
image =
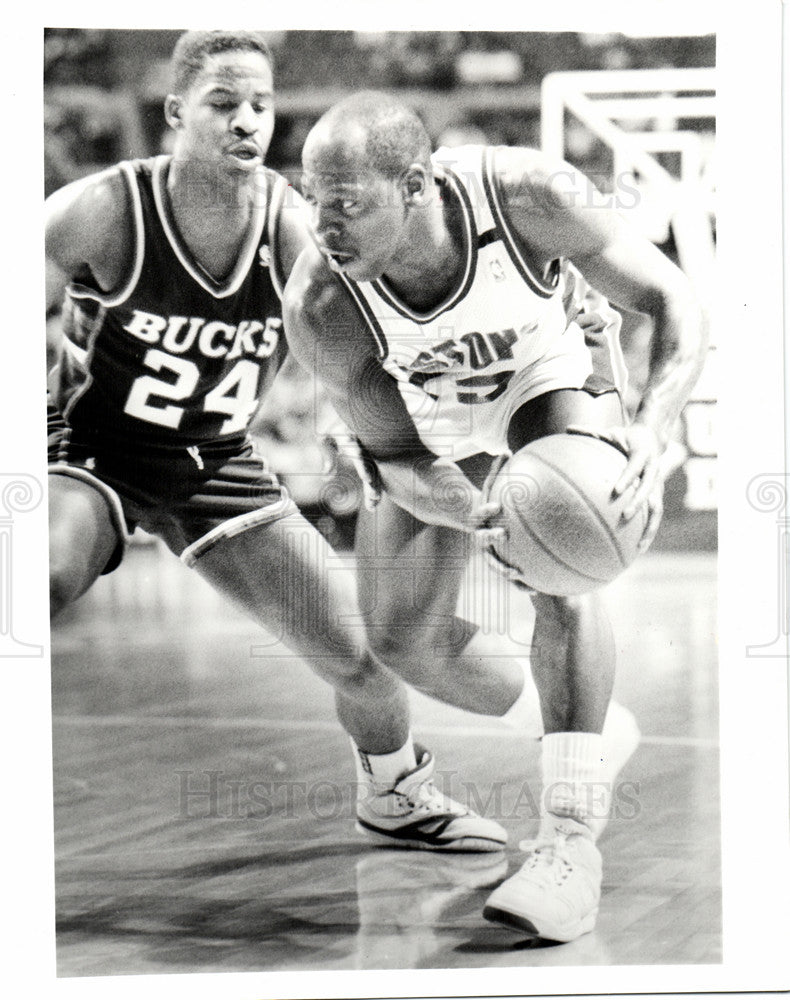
(548, 857)
(421, 794)
(425, 795)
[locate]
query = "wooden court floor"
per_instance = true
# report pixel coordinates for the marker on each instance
(204, 805)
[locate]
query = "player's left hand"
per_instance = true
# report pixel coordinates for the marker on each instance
(642, 474)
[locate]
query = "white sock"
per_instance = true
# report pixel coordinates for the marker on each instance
(620, 731)
(384, 769)
(573, 782)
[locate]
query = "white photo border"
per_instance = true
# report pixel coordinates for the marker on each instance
(752, 273)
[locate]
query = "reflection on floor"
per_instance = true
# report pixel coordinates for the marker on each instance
(204, 800)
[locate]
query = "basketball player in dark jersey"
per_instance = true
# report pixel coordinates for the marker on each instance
(172, 270)
(416, 255)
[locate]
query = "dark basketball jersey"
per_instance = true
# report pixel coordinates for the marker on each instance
(174, 358)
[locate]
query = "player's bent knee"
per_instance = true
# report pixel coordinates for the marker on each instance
(361, 679)
(418, 664)
(83, 539)
(64, 588)
(402, 649)
(71, 573)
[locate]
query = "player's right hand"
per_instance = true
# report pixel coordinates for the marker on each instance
(489, 530)
(486, 538)
(485, 529)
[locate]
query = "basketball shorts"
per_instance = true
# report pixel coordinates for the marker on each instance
(191, 498)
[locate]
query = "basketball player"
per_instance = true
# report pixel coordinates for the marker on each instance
(172, 270)
(440, 309)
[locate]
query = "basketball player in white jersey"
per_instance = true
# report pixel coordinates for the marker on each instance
(171, 270)
(440, 310)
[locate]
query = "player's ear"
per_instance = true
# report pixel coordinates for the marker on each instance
(173, 111)
(415, 185)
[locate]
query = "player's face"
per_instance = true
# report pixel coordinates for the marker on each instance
(357, 216)
(226, 117)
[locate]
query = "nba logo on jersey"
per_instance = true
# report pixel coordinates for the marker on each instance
(264, 255)
(497, 270)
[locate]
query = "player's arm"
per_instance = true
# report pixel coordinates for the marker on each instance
(330, 341)
(557, 212)
(87, 234)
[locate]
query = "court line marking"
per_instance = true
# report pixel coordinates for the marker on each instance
(327, 725)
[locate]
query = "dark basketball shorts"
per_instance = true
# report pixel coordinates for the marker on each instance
(191, 498)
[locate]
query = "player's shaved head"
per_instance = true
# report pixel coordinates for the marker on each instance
(370, 130)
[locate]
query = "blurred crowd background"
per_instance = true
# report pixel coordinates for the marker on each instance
(103, 97)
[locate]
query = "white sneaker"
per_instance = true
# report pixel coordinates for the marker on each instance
(416, 814)
(556, 893)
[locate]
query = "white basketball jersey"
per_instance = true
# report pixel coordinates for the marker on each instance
(500, 338)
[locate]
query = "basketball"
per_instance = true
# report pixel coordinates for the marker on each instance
(565, 531)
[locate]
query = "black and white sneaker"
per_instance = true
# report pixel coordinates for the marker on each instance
(416, 814)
